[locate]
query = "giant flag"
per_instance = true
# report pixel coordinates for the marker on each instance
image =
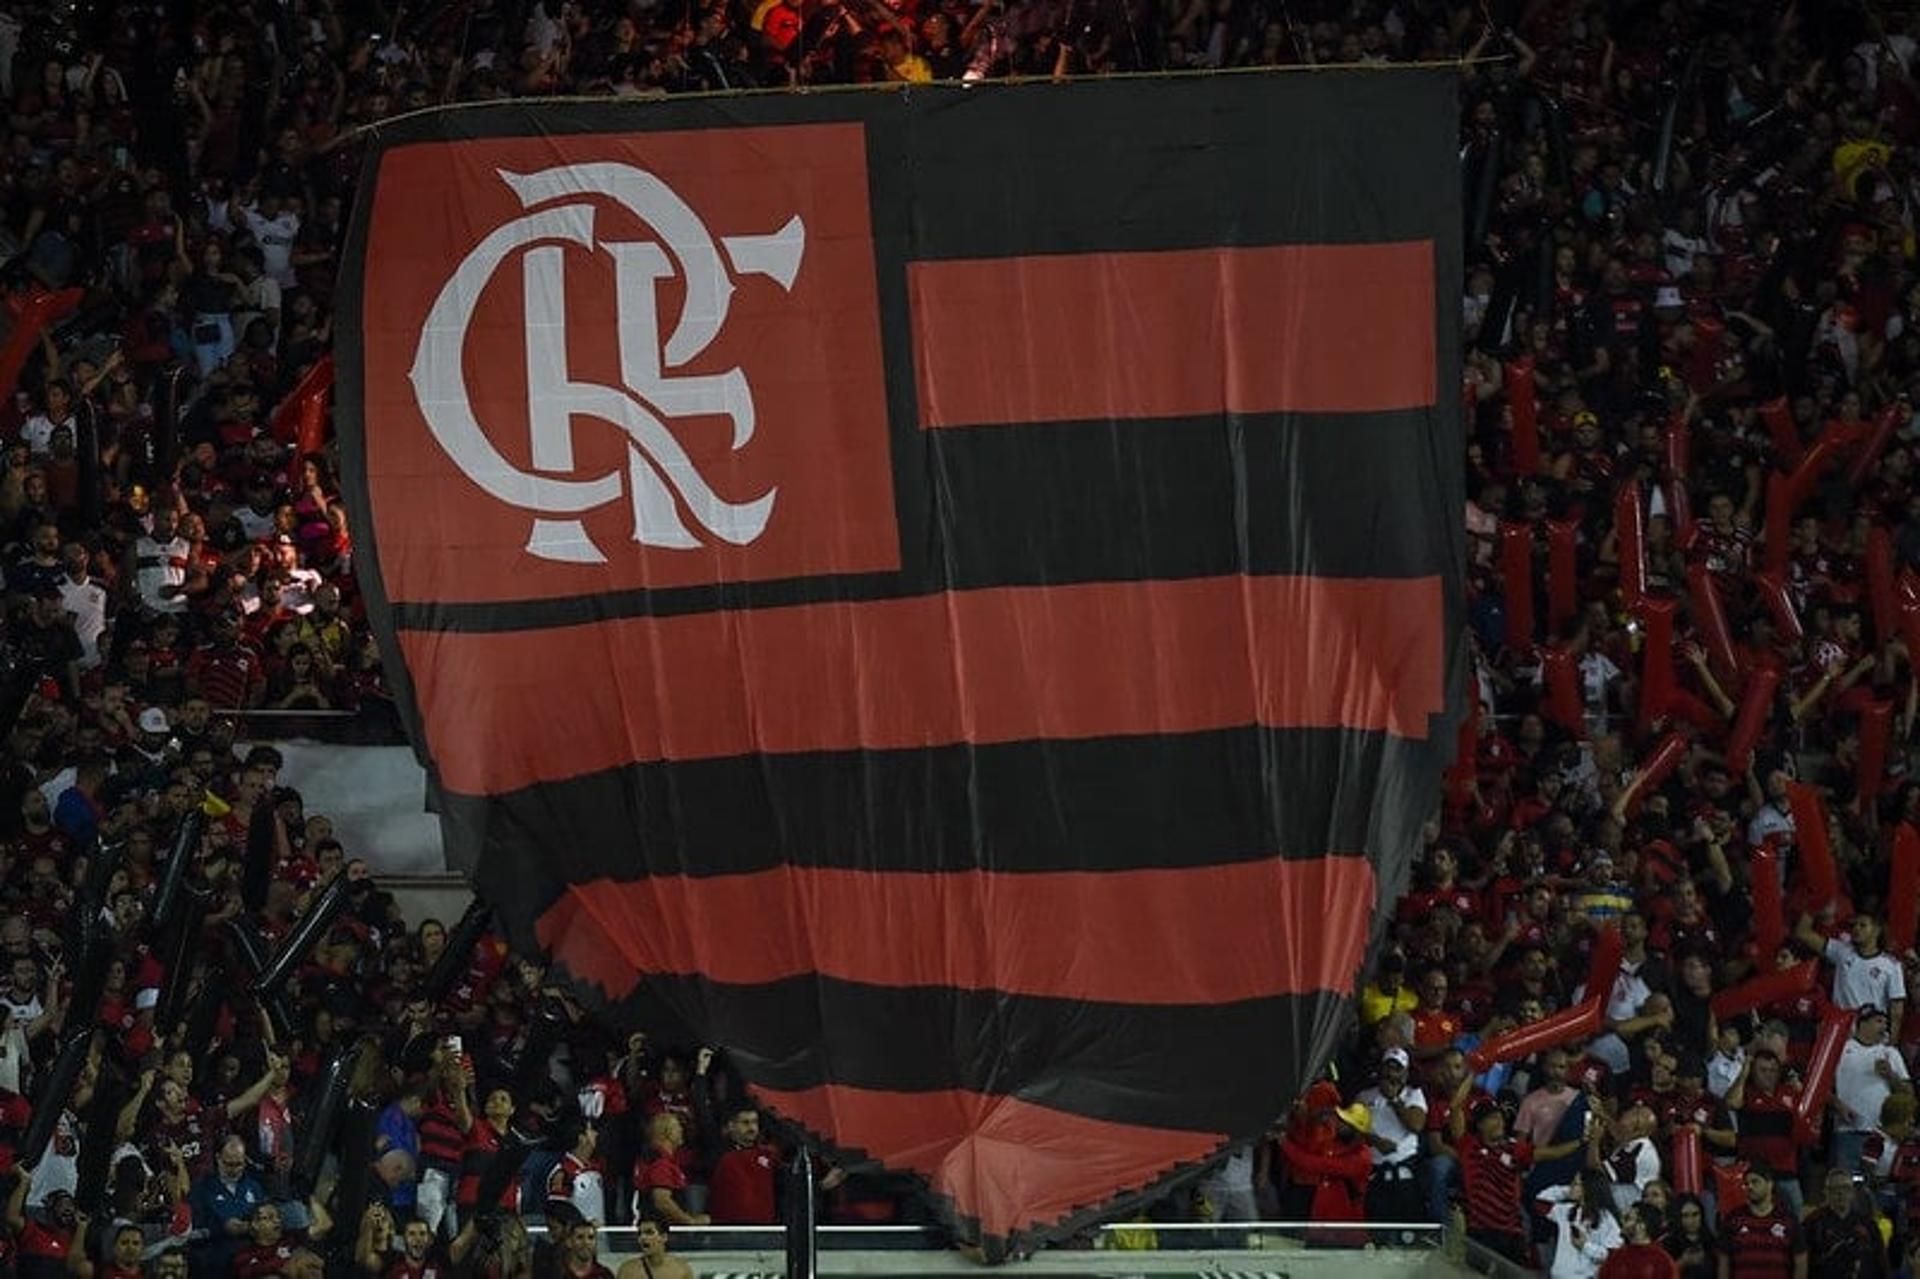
(952, 592)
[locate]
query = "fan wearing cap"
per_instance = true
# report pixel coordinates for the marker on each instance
(1492, 1166)
(1397, 1112)
(144, 762)
(1870, 1071)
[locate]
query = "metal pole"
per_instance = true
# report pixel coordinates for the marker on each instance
(802, 1218)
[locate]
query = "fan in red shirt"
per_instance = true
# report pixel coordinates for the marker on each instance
(271, 1250)
(1328, 1162)
(658, 1176)
(1434, 1026)
(44, 1239)
(1761, 1240)
(1765, 1101)
(1445, 891)
(741, 1190)
(1492, 1167)
(483, 1142)
(1640, 1257)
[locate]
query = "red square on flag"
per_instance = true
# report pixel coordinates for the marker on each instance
(613, 362)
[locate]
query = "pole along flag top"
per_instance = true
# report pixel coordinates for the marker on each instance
(953, 594)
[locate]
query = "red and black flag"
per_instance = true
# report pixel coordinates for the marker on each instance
(952, 592)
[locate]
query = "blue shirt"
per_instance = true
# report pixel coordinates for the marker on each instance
(400, 1133)
(76, 817)
(215, 1204)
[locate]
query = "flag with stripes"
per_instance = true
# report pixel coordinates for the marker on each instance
(950, 593)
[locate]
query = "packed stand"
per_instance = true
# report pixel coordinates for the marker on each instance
(246, 1062)
(1694, 550)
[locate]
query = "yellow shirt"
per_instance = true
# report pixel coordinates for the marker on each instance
(1376, 1005)
(913, 69)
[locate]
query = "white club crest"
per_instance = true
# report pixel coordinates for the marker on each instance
(660, 479)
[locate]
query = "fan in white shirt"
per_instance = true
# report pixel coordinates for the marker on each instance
(86, 599)
(1399, 1112)
(1585, 1225)
(1864, 974)
(1869, 1070)
(1636, 1160)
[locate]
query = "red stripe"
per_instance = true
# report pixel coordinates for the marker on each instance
(507, 710)
(1305, 328)
(1009, 1163)
(1298, 927)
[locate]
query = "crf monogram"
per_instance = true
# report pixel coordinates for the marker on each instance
(660, 479)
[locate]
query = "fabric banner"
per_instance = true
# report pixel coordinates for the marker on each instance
(951, 594)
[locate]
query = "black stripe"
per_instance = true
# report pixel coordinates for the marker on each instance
(1137, 164)
(1117, 804)
(1324, 494)
(1227, 1068)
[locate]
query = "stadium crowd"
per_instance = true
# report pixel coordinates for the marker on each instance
(1693, 322)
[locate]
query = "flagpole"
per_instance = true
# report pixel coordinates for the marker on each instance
(802, 1218)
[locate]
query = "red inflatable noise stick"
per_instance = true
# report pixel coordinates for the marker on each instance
(1880, 593)
(1560, 672)
(1779, 522)
(1884, 425)
(1658, 684)
(1814, 845)
(1523, 399)
(1711, 616)
(1903, 896)
(1870, 768)
(1581, 1021)
(1516, 575)
(1771, 585)
(1828, 1043)
(1785, 432)
(1659, 766)
(1769, 910)
(1603, 963)
(1563, 572)
(1688, 1160)
(1730, 1185)
(1756, 707)
(1768, 988)
(1630, 534)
